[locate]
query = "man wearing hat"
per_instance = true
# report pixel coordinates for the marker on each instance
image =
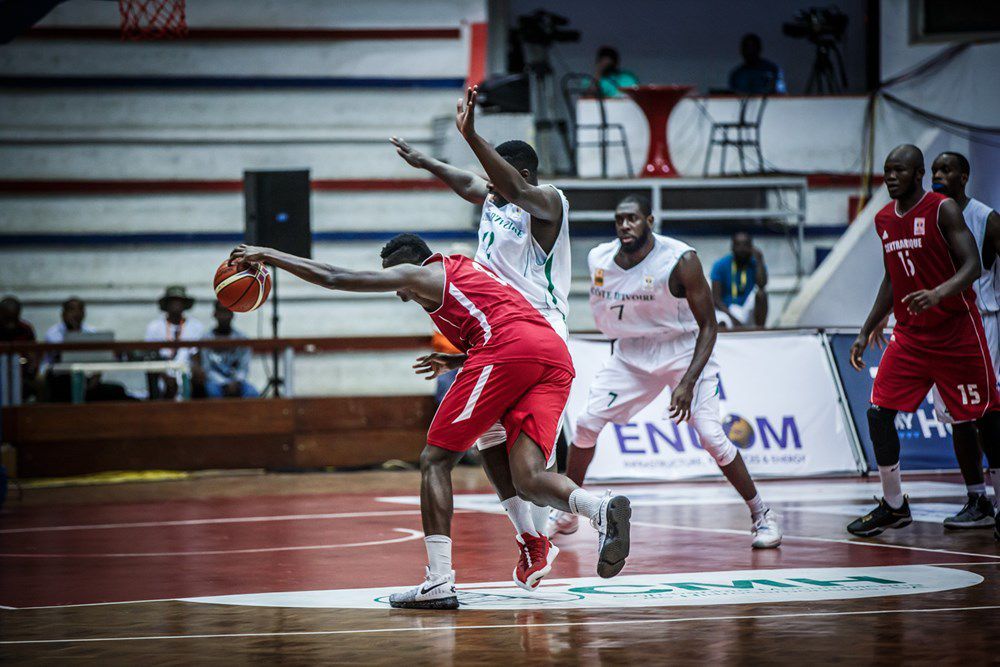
(172, 326)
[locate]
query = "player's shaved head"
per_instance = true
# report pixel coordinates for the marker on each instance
(641, 201)
(908, 154)
(404, 249)
(521, 156)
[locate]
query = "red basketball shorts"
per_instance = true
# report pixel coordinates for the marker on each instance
(954, 356)
(524, 396)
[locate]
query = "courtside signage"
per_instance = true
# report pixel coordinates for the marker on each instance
(652, 590)
(779, 404)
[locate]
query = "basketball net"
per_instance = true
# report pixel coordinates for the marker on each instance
(152, 19)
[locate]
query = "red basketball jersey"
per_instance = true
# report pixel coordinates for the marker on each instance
(917, 258)
(487, 318)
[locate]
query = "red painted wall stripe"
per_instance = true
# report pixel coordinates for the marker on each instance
(105, 187)
(478, 41)
(256, 34)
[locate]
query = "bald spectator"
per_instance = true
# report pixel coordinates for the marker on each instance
(59, 387)
(739, 285)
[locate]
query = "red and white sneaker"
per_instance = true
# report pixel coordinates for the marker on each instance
(535, 561)
(563, 523)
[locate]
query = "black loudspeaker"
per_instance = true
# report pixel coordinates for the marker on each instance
(277, 210)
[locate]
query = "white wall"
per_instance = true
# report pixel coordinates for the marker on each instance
(679, 41)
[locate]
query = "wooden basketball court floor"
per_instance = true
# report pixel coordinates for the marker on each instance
(294, 569)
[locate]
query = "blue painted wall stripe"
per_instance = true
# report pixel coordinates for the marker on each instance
(215, 82)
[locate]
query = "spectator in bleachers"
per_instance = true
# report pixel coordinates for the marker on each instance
(739, 285)
(224, 370)
(74, 311)
(173, 326)
(15, 330)
(756, 75)
(609, 75)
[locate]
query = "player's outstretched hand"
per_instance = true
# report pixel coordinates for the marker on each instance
(921, 300)
(680, 402)
(413, 157)
(437, 363)
(465, 114)
(244, 254)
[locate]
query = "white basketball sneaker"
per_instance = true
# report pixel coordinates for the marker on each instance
(437, 592)
(563, 523)
(766, 532)
(612, 523)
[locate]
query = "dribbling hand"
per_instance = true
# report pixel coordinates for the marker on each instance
(245, 255)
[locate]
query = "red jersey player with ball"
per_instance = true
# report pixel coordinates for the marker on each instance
(518, 371)
(931, 261)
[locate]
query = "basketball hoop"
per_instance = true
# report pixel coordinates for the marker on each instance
(152, 19)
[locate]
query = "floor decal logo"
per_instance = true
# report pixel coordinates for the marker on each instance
(652, 590)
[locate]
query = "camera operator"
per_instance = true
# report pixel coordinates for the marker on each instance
(757, 75)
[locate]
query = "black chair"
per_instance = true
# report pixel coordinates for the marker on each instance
(742, 134)
(574, 86)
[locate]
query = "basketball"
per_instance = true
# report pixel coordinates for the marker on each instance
(242, 289)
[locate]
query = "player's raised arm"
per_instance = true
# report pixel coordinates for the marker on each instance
(691, 278)
(962, 245)
(466, 184)
(875, 320)
(544, 204)
(421, 280)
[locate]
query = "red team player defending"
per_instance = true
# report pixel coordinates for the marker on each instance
(518, 372)
(931, 261)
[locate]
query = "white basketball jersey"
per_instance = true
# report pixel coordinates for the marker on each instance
(988, 285)
(636, 302)
(507, 246)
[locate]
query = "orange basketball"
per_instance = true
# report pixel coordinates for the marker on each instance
(242, 288)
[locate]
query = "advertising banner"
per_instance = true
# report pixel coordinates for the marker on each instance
(925, 442)
(779, 403)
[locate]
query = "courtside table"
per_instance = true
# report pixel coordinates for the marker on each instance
(656, 103)
(79, 369)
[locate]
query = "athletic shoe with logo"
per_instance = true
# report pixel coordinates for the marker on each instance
(437, 592)
(563, 523)
(766, 532)
(612, 523)
(977, 513)
(537, 556)
(880, 518)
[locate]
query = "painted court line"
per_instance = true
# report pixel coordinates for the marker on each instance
(409, 535)
(199, 522)
(743, 533)
(498, 626)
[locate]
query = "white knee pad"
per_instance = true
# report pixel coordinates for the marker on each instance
(588, 427)
(714, 440)
(495, 435)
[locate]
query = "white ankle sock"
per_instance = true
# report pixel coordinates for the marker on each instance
(584, 503)
(892, 485)
(995, 481)
(519, 513)
(438, 553)
(976, 489)
(539, 518)
(757, 507)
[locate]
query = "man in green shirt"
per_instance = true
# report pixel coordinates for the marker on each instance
(609, 75)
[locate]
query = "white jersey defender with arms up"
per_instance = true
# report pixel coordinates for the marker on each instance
(649, 294)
